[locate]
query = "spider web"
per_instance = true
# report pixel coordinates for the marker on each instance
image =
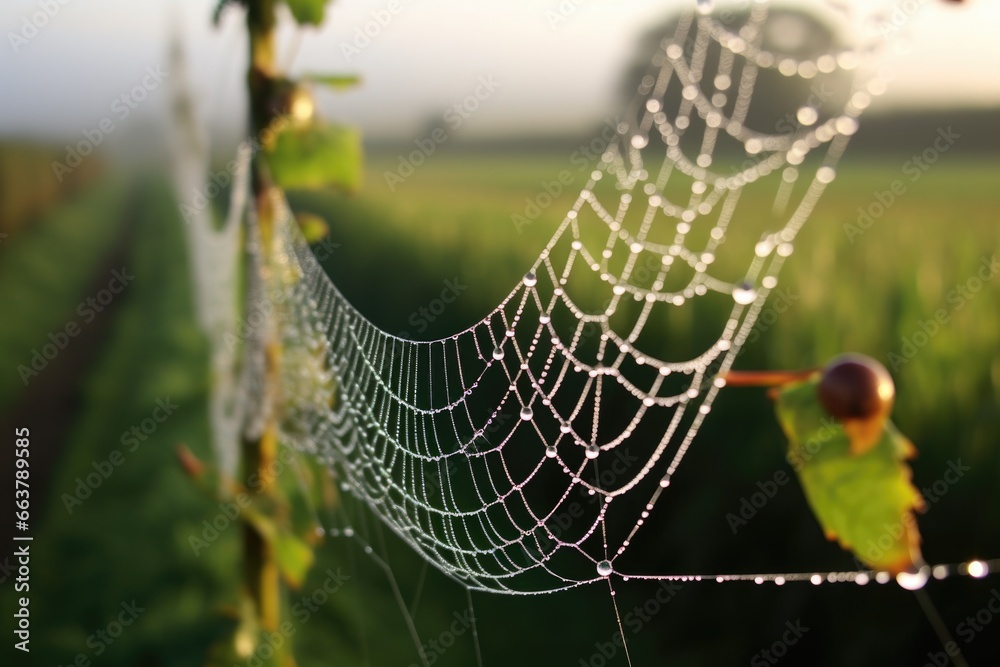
(471, 447)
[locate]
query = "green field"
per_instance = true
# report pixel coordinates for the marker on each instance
(452, 221)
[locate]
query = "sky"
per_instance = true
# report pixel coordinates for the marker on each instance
(553, 66)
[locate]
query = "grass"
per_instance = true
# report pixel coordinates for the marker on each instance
(866, 293)
(452, 220)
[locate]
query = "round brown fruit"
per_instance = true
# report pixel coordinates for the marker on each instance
(854, 386)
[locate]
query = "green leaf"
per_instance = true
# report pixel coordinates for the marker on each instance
(316, 156)
(293, 556)
(307, 12)
(864, 501)
(335, 81)
(314, 228)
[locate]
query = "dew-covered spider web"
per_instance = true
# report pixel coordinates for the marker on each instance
(470, 446)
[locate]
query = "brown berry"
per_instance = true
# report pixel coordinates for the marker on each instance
(856, 387)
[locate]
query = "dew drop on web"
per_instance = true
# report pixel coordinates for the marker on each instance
(744, 294)
(912, 581)
(807, 115)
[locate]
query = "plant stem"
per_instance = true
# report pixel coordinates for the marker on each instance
(765, 378)
(261, 575)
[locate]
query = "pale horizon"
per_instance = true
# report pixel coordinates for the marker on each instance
(555, 77)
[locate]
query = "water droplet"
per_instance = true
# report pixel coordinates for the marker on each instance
(807, 115)
(544, 319)
(565, 428)
(763, 249)
(861, 579)
(882, 577)
(780, 581)
(498, 353)
(526, 413)
(978, 569)
(665, 481)
(348, 532)
(744, 294)
(940, 572)
(816, 580)
(530, 279)
(593, 451)
(826, 174)
(604, 568)
(846, 125)
(550, 451)
(913, 581)
(639, 141)
(758, 580)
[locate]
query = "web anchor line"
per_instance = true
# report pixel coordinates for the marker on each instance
(471, 448)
